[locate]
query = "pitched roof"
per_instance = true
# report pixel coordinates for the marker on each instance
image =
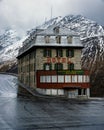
(37, 39)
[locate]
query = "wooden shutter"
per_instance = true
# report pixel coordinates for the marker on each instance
(72, 52)
(44, 52)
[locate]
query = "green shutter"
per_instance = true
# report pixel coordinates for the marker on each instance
(44, 65)
(44, 52)
(69, 67)
(72, 52)
(61, 66)
(72, 66)
(50, 66)
(50, 53)
(67, 53)
(55, 66)
(61, 53)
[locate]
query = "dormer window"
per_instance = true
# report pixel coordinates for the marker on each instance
(58, 39)
(56, 30)
(47, 39)
(69, 39)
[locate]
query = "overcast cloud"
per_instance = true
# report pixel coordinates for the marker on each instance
(26, 14)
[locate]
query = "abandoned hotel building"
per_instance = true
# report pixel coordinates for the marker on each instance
(50, 62)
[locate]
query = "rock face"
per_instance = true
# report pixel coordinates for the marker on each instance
(91, 35)
(93, 52)
(10, 42)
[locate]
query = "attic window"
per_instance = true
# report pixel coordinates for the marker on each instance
(58, 39)
(69, 39)
(56, 30)
(47, 39)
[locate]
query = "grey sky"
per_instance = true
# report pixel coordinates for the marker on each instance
(25, 14)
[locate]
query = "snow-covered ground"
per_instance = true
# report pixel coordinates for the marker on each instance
(8, 86)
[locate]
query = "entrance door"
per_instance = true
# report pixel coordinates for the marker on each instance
(79, 91)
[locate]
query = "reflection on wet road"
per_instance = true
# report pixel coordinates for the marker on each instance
(46, 114)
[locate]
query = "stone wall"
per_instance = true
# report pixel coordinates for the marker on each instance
(40, 59)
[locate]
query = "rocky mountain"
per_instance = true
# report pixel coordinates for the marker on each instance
(91, 35)
(85, 27)
(10, 42)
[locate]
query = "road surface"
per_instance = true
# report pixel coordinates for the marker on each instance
(21, 113)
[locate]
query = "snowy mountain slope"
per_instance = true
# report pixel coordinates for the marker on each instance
(8, 37)
(11, 51)
(93, 52)
(85, 27)
(91, 34)
(10, 42)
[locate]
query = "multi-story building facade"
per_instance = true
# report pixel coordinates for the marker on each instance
(50, 61)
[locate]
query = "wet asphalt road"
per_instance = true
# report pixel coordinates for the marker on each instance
(21, 113)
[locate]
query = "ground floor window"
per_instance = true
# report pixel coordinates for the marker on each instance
(67, 78)
(60, 79)
(54, 79)
(63, 79)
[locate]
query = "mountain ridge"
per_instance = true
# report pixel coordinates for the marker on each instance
(91, 35)
(86, 28)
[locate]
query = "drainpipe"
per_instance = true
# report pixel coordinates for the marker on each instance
(35, 62)
(29, 70)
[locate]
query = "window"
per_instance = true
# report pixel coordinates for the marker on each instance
(88, 79)
(47, 52)
(70, 53)
(60, 79)
(58, 39)
(42, 79)
(74, 78)
(69, 39)
(47, 66)
(67, 78)
(58, 66)
(54, 79)
(59, 53)
(71, 66)
(48, 79)
(47, 39)
(84, 79)
(79, 78)
(56, 29)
